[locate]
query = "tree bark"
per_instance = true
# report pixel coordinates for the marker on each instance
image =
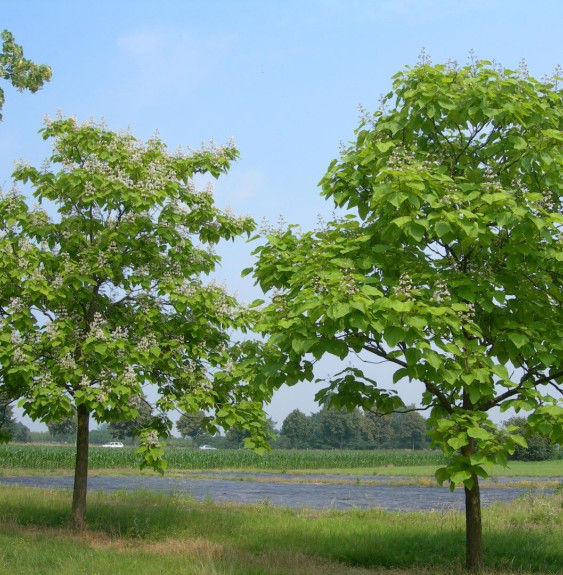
(473, 527)
(78, 513)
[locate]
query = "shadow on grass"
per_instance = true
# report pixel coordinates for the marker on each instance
(363, 538)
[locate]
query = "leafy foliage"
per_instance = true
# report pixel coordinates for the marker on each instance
(538, 448)
(191, 425)
(331, 428)
(64, 428)
(451, 267)
(23, 74)
(297, 428)
(109, 298)
(117, 282)
(130, 428)
(448, 264)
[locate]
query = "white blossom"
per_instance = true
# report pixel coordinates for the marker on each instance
(97, 327)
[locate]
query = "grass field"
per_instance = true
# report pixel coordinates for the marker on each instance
(146, 533)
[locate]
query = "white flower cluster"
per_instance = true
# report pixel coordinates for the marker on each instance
(404, 287)
(469, 315)
(365, 116)
(441, 292)
(146, 342)
(424, 58)
(452, 66)
(67, 362)
(522, 69)
(348, 283)
(16, 337)
(120, 333)
(57, 281)
(97, 327)
(491, 181)
(449, 196)
(18, 354)
(400, 158)
(134, 401)
(21, 163)
(129, 377)
(546, 203)
(16, 305)
(229, 367)
(223, 305)
(151, 439)
(26, 246)
(206, 385)
(187, 289)
(51, 330)
(45, 380)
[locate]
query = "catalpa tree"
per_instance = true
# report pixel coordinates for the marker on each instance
(448, 266)
(111, 297)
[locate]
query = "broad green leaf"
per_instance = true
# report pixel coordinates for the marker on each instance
(479, 433)
(393, 335)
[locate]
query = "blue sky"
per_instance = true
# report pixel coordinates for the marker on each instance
(284, 78)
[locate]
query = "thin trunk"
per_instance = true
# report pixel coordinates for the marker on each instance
(78, 513)
(473, 523)
(473, 528)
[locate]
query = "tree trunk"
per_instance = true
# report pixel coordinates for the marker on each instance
(473, 527)
(78, 513)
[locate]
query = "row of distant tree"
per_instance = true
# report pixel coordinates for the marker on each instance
(325, 429)
(341, 429)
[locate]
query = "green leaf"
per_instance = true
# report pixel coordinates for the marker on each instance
(441, 475)
(479, 433)
(393, 335)
(338, 310)
(477, 459)
(384, 146)
(442, 228)
(458, 442)
(100, 348)
(460, 477)
(302, 346)
(518, 339)
(416, 231)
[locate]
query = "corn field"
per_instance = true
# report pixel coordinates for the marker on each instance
(62, 457)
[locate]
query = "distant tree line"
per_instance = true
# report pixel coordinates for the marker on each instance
(342, 429)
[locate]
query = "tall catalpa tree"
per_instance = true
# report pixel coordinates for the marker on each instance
(110, 297)
(449, 265)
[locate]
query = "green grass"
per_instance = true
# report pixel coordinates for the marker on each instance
(145, 533)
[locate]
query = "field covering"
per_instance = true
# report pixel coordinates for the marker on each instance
(62, 457)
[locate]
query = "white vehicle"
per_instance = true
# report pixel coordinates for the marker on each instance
(206, 447)
(113, 444)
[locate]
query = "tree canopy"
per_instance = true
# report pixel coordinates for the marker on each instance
(448, 264)
(191, 425)
(111, 298)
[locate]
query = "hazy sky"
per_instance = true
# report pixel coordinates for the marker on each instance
(284, 78)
